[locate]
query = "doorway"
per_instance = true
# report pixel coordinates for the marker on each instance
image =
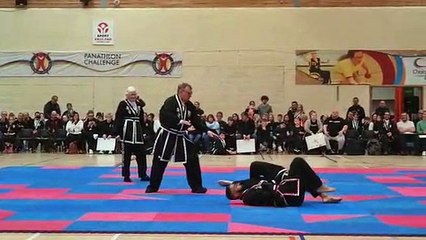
(398, 99)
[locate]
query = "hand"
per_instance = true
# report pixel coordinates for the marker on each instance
(389, 134)
(367, 75)
(212, 134)
(183, 122)
(191, 128)
(109, 136)
(118, 137)
(104, 136)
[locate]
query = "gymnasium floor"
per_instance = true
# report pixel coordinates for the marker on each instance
(365, 162)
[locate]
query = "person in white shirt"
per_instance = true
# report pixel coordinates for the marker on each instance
(74, 130)
(406, 129)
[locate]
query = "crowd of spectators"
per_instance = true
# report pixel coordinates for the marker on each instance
(354, 133)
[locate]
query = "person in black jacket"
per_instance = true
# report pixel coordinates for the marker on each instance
(129, 127)
(246, 127)
(273, 185)
(388, 135)
(356, 108)
(51, 106)
(172, 143)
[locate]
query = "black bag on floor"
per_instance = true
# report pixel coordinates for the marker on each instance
(374, 147)
(355, 147)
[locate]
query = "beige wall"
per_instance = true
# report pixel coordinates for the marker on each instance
(230, 55)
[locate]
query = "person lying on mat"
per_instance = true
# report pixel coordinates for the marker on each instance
(274, 185)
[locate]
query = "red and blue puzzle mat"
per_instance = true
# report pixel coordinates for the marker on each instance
(380, 201)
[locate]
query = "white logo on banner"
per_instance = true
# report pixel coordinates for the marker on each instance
(415, 70)
(103, 32)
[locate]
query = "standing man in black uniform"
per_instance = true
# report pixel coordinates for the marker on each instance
(129, 120)
(172, 142)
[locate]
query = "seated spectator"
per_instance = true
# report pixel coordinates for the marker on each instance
(75, 133)
(20, 120)
(406, 129)
(246, 127)
(235, 118)
(219, 119)
(54, 123)
(230, 131)
(198, 109)
(292, 111)
(38, 125)
(149, 127)
(334, 129)
(313, 125)
(295, 138)
(69, 112)
(251, 110)
(418, 117)
(214, 126)
(106, 127)
(263, 137)
(27, 122)
(65, 120)
(90, 132)
(99, 116)
(421, 129)
(106, 130)
(264, 107)
(366, 124)
(3, 122)
(355, 128)
(10, 136)
(271, 127)
(288, 121)
(388, 135)
(300, 113)
(280, 119)
(280, 136)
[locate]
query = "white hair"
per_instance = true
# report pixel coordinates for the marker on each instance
(130, 89)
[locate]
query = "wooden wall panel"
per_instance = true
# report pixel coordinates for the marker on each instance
(217, 3)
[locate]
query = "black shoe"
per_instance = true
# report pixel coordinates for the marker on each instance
(126, 179)
(199, 190)
(145, 178)
(150, 189)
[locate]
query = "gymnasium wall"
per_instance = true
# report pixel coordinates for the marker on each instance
(230, 56)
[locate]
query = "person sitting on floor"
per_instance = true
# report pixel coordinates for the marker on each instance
(273, 185)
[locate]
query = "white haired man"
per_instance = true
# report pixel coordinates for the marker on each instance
(129, 119)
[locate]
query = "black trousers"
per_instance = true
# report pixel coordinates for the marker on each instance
(78, 138)
(299, 168)
(140, 154)
(192, 167)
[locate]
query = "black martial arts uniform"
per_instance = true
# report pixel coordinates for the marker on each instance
(273, 185)
(129, 120)
(172, 143)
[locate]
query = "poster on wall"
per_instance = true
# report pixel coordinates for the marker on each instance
(82, 64)
(103, 32)
(346, 67)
